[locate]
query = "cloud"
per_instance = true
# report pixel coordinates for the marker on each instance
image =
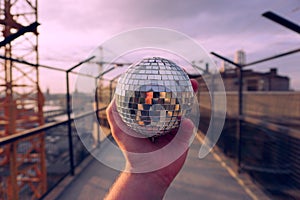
(72, 28)
(199, 19)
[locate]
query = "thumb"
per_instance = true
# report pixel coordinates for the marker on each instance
(185, 133)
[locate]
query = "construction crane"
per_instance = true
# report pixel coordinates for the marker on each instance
(22, 163)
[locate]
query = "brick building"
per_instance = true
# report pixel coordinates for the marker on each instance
(253, 81)
(256, 81)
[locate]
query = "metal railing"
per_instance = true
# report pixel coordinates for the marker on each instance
(263, 134)
(63, 149)
(263, 137)
(57, 150)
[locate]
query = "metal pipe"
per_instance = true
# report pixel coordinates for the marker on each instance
(282, 21)
(240, 107)
(110, 90)
(97, 112)
(24, 29)
(273, 57)
(33, 131)
(80, 63)
(68, 101)
(43, 66)
(239, 128)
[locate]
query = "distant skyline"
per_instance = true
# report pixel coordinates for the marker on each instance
(70, 30)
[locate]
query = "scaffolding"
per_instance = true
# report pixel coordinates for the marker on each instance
(22, 163)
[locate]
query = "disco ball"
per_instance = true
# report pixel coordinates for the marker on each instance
(153, 95)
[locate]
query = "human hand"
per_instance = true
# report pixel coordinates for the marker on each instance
(157, 162)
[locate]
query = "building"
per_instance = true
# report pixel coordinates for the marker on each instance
(256, 81)
(240, 57)
(252, 81)
(225, 66)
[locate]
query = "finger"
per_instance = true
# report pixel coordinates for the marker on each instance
(126, 138)
(109, 113)
(115, 120)
(185, 132)
(195, 85)
(180, 143)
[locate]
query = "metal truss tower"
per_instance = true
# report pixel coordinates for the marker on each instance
(22, 163)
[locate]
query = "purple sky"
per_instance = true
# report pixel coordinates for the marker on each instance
(70, 29)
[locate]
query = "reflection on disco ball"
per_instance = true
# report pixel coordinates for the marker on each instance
(153, 95)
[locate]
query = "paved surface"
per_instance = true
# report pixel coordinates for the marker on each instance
(199, 179)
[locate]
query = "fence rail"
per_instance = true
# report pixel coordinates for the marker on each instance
(57, 151)
(262, 130)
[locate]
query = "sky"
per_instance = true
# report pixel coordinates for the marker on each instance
(71, 29)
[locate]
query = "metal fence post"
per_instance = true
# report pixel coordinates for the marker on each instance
(239, 67)
(97, 112)
(68, 101)
(72, 166)
(239, 120)
(110, 90)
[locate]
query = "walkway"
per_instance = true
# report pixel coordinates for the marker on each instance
(199, 179)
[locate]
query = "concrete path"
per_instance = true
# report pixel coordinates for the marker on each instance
(199, 179)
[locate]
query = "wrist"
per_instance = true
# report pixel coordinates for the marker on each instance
(137, 186)
(148, 184)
